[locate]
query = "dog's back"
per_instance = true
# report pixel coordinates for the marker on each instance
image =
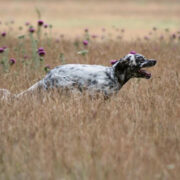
(81, 76)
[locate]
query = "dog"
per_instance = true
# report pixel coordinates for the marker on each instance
(95, 78)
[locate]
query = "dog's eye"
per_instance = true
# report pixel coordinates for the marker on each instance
(140, 59)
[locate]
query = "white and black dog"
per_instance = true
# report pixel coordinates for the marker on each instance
(94, 78)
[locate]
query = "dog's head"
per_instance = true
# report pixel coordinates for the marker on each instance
(131, 65)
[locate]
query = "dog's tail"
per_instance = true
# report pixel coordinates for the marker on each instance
(36, 86)
(5, 94)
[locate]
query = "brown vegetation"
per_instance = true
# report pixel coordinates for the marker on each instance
(134, 135)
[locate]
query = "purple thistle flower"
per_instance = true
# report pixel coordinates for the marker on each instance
(57, 40)
(113, 61)
(173, 36)
(146, 38)
(61, 35)
(12, 21)
(85, 42)
(42, 53)
(133, 52)
(94, 36)
(40, 49)
(161, 37)
(46, 26)
(12, 61)
(86, 30)
(150, 33)
(3, 34)
(31, 30)
(1, 50)
(40, 22)
(122, 30)
(25, 57)
(27, 23)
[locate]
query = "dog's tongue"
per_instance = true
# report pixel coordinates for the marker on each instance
(146, 74)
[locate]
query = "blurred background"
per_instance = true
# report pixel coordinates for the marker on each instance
(70, 17)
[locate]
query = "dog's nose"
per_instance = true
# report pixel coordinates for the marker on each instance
(153, 61)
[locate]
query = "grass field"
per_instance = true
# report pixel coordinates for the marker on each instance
(136, 17)
(134, 135)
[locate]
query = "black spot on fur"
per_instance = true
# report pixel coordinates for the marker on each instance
(94, 82)
(108, 77)
(49, 76)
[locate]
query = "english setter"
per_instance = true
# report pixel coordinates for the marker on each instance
(95, 78)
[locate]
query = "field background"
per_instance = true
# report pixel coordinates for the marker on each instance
(136, 17)
(133, 136)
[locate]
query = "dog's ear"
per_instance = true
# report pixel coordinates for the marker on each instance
(121, 65)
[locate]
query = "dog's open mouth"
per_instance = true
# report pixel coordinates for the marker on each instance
(144, 73)
(147, 64)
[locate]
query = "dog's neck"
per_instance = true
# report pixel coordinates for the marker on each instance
(122, 77)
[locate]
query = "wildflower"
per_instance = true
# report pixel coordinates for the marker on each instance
(40, 22)
(40, 49)
(133, 52)
(94, 36)
(46, 26)
(146, 38)
(3, 34)
(62, 36)
(57, 40)
(161, 37)
(12, 21)
(25, 56)
(12, 61)
(122, 30)
(113, 61)
(173, 36)
(103, 29)
(31, 30)
(86, 30)
(47, 68)
(41, 52)
(1, 50)
(27, 23)
(154, 28)
(150, 33)
(85, 42)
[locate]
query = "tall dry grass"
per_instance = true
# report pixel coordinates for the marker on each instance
(134, 135)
